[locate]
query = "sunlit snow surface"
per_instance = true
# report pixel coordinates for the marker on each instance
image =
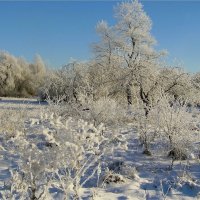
(154, 180)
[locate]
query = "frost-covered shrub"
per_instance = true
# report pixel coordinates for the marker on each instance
(56, 153)
(186, 181)
(123, 169)
(145, 130)
(112, 177)
(106, 111)
(12, 120)
(174, 123)
(169, 124)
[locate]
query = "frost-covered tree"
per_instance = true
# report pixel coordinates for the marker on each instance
(18, 77)
(38, 71)
(68, 83)
(105, 49)
(127, 48)
(196, 85)
(10, 71)
(177, 83)
(139, 57)
(104, 70)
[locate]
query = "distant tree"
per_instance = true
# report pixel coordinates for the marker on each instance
(10, 72)
(18, 77)
(38, 72)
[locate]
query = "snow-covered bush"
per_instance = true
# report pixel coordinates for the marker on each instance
(56, 153)
(174, 123)
(170, 123)
(12, 120)
(145, 130)
(146, 135)
(106, 111)
(186, 179)
(118, 172)
(113, 177)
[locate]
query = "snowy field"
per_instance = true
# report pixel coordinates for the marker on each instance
(132, 175)
(122, 123)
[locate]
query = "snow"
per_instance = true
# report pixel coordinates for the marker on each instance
(144, 177)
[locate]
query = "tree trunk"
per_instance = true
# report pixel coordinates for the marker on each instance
(129, 94)
(33, 194)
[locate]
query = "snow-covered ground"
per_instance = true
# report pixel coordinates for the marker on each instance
(141, 176)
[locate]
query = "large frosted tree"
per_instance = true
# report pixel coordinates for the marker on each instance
(137, 50)
(128, 47)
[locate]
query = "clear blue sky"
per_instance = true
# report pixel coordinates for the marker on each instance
(62, 30)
